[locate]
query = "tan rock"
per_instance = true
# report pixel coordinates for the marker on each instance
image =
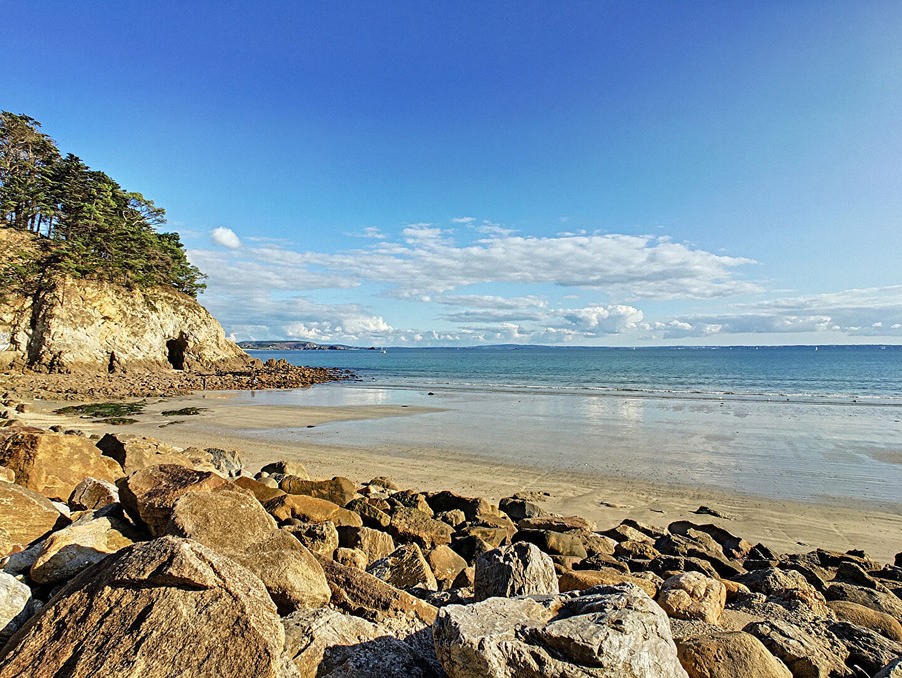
(364, 595)
(262, 492)
(405, 568)
(351, 557)
(134, 452)
(411, 499)
(7, 475)
(321, 538)
(149, 608)
(445, 565)
(150, 494)
(728, 655)
(556, 523)
(553, 542)
(16, 606)
(92, 494)
(411, 525)
(233, 523)
(371, 515)
(310, 510)
(734, 588)
(884, 624)
(692, 595)
(82, 544)
(286, 468)
(338, 490)
(25, 515)
(374, 543)
(579, 580)
(515, 570)
(54, 464)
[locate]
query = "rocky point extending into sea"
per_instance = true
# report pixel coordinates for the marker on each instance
(125, 556)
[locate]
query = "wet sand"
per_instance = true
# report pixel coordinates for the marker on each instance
(361, 433)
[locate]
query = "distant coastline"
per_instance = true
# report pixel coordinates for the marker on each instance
(298, 346)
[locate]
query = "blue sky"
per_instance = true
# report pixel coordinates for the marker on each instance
(461, 173)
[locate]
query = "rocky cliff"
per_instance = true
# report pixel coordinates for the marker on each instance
(81, 325)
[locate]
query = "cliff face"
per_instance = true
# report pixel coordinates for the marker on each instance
(83, 325)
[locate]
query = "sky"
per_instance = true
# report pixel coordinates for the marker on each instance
(463, 173)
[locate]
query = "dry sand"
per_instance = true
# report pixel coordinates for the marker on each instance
(786, 526)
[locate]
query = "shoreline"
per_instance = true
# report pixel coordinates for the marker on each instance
(787, 525)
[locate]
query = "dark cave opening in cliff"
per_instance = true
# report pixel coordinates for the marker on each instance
(175, 352)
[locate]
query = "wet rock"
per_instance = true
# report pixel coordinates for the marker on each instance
(806, 655)
(155, 605)
(92, 494)
(405, 568)
(25, 516)
(411, 525)
(693, 596)
(327, 644)
(338, 490)
(729, 655)
(516, 570)
(611, 632)
(148, 495)
(53, 464)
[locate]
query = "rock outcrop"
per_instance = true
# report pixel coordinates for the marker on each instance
(92, 326)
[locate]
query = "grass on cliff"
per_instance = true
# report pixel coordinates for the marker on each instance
(104, 410)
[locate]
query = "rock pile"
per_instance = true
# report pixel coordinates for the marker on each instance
(134, 558)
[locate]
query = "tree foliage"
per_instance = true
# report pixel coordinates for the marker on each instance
(93, 227)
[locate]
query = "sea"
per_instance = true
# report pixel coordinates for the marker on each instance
(813, 423)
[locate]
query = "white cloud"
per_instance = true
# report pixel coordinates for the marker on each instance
(225, 237)
(463, 220)
(857, 312)
(594, 321)
(371, 232)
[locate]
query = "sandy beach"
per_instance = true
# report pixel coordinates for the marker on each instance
(263, 431)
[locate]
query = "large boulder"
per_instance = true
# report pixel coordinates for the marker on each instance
(515, 570)
(82, 544)
(154, 609)
(867, 649)
(233, 523)
(787, 588)
(16, 605)
(445, 565)
(608, 632)
(134, 452)
(321, 538)
(25, 516)
(224, 462)
(692, 595)
(325, 643)
(729, 655)
(53, 464)
(806, 655)
(149, 495)
(374, 543)
(553, 542)
(872, 598)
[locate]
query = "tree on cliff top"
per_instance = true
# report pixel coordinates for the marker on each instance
(93, 227)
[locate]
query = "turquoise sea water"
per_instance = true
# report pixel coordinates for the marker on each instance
(868, 374)
(782, 422)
